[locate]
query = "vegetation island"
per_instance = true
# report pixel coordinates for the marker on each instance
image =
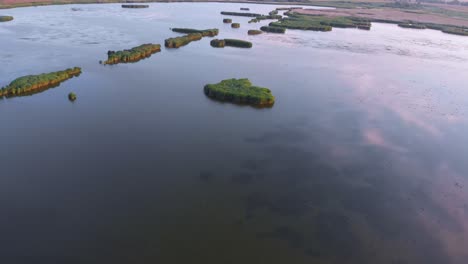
(240, 91)
(240, 14)
(6, 18)
(227, 20)
(254, 32)
(132, 55)
(221, 43)
(244, 8)
(235, 25)
(205, 32)
(135, 6)
(178, 42)
(320, 23)
(273, 29)
(72, 97)
(30, 84)
(253, 20)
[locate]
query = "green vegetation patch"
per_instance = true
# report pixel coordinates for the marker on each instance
(221, 43)
(320, 22)
(72, 97)
(240, 14)
(205, 32)
(240, 91)
(132, 55)
(255, 32)
(273, 29)
(6, 18)
(227, 20)
(35, 83)
(235, 25)
(253, 20)
(269, 17)
(182, 41)
(135, 6)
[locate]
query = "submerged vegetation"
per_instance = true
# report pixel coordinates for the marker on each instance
(273, 29)
(240, 14)
(182, 41)
(254, 32)
(221, 43)
(235, 25)
(240, 91)
(132, 55)
(320, 23)
(35, 83)
(227, 20)
(135, 6)
(6, 18)
(205, 32)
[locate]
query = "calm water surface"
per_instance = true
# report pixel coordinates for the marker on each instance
(361, 160)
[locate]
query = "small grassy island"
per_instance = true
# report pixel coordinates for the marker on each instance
(320, 23)
(235, 25)
(245, 9)
(30, 84)
(240, 91)
(240, 14)
(132, 55)
(221, 43)
(273, 29)
(254, 32)
(205, 32)
(72, 97)
(135, 6)
(178, 42)
(6, 18)
(227, 20)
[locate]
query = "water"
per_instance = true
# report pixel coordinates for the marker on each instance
(361, 160)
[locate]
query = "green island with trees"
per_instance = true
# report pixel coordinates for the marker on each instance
(240, 91)
(235, 25)
(132, 55)
(30, 84)
(135, 6)
(273, 29)
(221, 43)
(320, 23)
(205, 32)
(254, 32)
(6, 18)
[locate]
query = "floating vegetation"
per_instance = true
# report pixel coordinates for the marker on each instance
(244, 8)
(227, 20)
(240, 14)
(72, 97)
(412, 25)
(240, 91)
(235, 25)
(221, 43)
(182, 41)
(320, 23)
(255, 32)
(31, 84)
(132, 55)
(273, 29)
(205, 32)
(6, 18)
(135, 6)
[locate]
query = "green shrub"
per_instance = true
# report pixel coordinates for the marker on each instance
(205, 32)
(254, 32)
(240, 91)
(218, 43)
(72, 97)
(182, 41)
(132, 55)
(36, 83)
(235, 25)
(253, 20)
(227, 20)
(221, 43)
(273, 29)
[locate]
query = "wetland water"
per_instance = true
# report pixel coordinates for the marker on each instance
(362, 159)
